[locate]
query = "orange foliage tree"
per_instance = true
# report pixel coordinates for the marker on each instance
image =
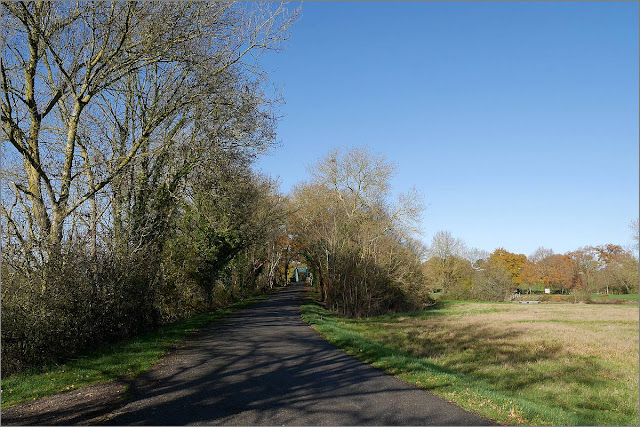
(557, 270)
(514, 263)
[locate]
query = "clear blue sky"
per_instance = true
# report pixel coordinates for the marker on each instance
(517, 121)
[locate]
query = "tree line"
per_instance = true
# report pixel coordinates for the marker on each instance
(471, 274)
(367, 261)
(128, 199)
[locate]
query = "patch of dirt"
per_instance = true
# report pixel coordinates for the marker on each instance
(85, 405)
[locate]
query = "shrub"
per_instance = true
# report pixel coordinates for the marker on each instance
(63, 308)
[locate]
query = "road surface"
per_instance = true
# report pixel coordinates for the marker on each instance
(264, 365)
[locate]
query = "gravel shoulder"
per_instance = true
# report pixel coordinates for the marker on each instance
(85, 405)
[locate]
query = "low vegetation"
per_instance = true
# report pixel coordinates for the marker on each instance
(592, 299)
(121, 361)
(560, 364)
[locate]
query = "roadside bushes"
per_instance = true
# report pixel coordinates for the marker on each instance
(360, 287)
(181, 257)
(78, 302)
(63, 308)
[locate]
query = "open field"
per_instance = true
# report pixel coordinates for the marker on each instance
(118, 361)
(562, 364)
(558, 298)
(629, 299)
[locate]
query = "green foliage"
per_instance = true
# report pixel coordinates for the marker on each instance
(179, 257)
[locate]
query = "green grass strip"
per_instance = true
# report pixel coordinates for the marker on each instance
(630, 297)
(118, 361)
(469, 392)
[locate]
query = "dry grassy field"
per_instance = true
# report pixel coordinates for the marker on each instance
(516, 363)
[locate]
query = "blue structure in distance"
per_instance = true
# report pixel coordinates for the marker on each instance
(299, 274)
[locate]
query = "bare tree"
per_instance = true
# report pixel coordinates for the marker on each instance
(358, 244)
(444, 245)
(89, 87)
(540, 254)
(444, 250)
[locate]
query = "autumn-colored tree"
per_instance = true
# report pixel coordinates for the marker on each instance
(514, 263)
(557, 271)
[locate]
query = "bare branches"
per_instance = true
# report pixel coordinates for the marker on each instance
(177, 60)
(358, 242)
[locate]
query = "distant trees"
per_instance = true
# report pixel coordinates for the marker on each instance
(618, 269)
(554, 271)
(605, 268)
(358, 245)
(128, 132)
(461, 274)
(493, 281)
(467, 273)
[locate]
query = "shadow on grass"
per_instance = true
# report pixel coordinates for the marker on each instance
(538, 380)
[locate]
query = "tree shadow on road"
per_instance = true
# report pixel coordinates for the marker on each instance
(266, 366)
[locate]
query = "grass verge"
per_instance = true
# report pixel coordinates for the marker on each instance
(118, 361)
(516, 364)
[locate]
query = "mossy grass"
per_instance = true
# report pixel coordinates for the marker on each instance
(117, 361)
(505, 377)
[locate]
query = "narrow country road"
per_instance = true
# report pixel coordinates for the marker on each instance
(261, 366)
(264, 365)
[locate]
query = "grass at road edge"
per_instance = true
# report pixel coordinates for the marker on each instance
(466, 390)
(118, 361)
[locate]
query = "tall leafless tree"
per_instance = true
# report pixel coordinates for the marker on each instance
(89, 87)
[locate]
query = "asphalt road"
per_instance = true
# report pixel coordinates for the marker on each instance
(265, 366)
